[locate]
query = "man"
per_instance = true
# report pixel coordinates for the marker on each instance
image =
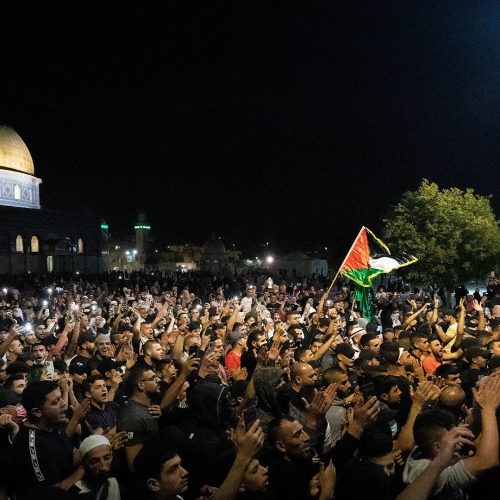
(102, 412)
(477, 358)
(449, 373)
(96, 459)
(152, 352)
(41, 450)
(302, 375)
(255, 340)
(249, 301)
(85, 350)
(103, 351)
(40, 363)
(135, 418)
(430, 428)
(434, 358)
(14, 351)
(238, 346)
(420, 345)
(345, 357)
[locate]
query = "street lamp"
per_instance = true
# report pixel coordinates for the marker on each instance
(134, 252)
(270, 259)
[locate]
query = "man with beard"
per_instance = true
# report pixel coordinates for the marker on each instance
(40, 363)
(389, 395)
(96, 459)
(85, 349)
(434, 359)
(135, 418)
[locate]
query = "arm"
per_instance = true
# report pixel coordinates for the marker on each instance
(488, 398)
(170, 396)
(414, 316)
(61, 342)
(426, 391)
(442, 336)
(73, 340)
(178, 348)
(421, 487)
(434, 316)
(479, 308)
(461, 324)
(252, 442)
(322, 350)
(232, 320)
(13, 333)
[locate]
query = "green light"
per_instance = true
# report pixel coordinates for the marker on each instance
(104, 226)
(142, 227)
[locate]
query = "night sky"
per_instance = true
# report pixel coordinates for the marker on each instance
(282, 121)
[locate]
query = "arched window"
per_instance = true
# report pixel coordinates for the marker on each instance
(34, 245)
(80, 245)
(19, 244)
(17, 192)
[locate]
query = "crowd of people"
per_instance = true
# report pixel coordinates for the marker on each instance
(191, 387)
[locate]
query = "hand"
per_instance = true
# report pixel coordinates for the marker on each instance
(488, 397)
(155, 411)
(262, 356)
(252, 441)
(65, 384)
(327, 481)
(7, 422)
(418, 371)
(190, 366)
(450, 444)
(477, 306)
(117, 439)
(461, 305)
(273, 353)
(15, 330)
(398, 457)
(209, 359)
(426, 391)
(318, 405)
(365, 414)
(9, 410)
(116, 379)
(81, 410)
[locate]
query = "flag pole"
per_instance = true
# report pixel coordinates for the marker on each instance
(343, 262)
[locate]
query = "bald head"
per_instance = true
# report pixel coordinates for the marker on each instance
(452, 396)
(303, 374)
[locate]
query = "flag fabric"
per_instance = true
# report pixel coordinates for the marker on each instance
(364, 299)
(370, 257)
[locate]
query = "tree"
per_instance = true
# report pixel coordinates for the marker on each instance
(453, 233)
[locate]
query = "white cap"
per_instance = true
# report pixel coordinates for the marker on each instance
(92, 442)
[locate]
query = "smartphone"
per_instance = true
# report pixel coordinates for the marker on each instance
(249, 416)
(193, 350)
(211, 346)
(130, 435)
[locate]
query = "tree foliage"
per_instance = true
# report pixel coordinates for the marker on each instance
(453, 233)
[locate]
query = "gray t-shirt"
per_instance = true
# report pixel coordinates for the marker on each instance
(135, 417)
(450, 482)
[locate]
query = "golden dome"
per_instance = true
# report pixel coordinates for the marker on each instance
(14, 154)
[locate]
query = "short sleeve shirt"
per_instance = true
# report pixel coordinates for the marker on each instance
(135, 417)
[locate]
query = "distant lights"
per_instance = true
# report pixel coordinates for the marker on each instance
(134, 252)
(141, 226)
(104, 226)
(270, 259)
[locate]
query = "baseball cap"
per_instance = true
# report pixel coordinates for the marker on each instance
(77, 367)
(109, 364)
(475, 351)
(87, 336)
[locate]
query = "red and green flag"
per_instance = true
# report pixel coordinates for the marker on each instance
(369, 257)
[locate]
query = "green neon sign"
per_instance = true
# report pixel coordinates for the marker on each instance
(142, 227)
(104, 226)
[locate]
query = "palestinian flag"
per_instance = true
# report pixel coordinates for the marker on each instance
(369, 257)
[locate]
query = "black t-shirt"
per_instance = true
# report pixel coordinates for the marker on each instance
(469, 378)
(41, 458)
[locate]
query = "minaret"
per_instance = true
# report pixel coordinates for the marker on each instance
(142, 228)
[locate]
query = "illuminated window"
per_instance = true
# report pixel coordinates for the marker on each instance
(17, 192)
(34, 245)
(50, 263)
(19, 244)
(80, 245)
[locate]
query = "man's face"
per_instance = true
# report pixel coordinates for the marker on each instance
(345, 360)
(308, 376)
(40, 332)
(422, 344)
(53, 410)
(30, 338)
(307, 356)
(16, 347)
(146, 330)
(315, 346)
(156, 351)
(3, 335)
(256, 477)
(97, 464)
(173, 478)
(495, 349)
(453, 379)
(495, 312)
(294, 440)
(39, 353)
(103, 347)
(394, 396)
(251, 292)
(99, 322)
(480, 361)
(18, 386)
(77, 378)
(88, 347)
(150, 381)
(98, 392)
(293, 319)
(436, 348)
(386, 463)
(344, 387)
(375, 344)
